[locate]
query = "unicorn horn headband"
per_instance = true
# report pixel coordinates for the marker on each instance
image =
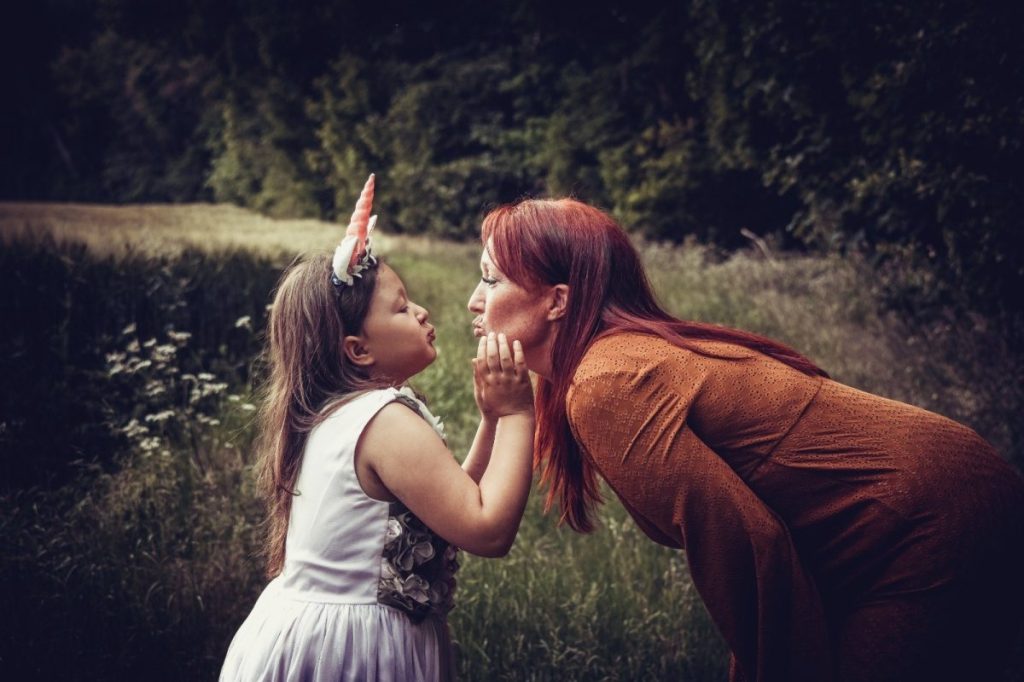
(353, 255)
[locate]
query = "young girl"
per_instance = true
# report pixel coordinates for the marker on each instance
(366, 503)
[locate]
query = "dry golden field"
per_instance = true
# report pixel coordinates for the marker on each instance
(168, 228)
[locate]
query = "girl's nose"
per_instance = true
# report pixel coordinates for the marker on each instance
(422, 314)
(476, 300)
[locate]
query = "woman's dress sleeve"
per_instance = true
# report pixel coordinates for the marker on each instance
(742, 560)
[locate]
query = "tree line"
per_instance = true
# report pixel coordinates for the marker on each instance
(892, 128)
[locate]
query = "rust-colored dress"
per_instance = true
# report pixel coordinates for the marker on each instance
(833, 534)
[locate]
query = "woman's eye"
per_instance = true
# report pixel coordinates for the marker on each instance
(488, 280)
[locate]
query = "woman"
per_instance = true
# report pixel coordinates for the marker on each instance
(832, 534)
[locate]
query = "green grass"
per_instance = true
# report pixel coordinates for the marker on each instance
(141, 565)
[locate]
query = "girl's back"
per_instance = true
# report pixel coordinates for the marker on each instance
(361, 574)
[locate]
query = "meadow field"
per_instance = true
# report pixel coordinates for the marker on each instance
(129, 527)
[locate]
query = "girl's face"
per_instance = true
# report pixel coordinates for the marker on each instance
(501, 305)
(396, 332)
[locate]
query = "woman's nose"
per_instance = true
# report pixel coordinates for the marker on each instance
(476, 300)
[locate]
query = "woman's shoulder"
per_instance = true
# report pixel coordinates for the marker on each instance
(618, 374)
(621, 364)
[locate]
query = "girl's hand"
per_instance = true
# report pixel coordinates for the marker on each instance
(480, 515)
(501, 382)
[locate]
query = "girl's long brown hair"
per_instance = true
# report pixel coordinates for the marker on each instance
(564, 241)
(308, 374)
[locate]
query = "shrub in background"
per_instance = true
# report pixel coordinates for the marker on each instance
(65, 310)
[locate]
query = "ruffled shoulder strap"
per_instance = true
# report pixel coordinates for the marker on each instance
(408, 397)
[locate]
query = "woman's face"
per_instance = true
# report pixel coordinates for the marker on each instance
(501, 305)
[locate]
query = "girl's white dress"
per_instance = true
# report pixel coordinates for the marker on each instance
(365, 585)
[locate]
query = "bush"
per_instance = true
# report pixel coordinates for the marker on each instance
(66, 310)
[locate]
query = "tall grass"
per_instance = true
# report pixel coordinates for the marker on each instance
(142, 560)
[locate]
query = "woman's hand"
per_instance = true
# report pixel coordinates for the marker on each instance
(501, 382)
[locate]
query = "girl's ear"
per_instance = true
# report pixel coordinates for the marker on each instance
(357, 352)
(558, 303)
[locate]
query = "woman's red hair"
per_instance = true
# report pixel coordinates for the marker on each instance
(564, 241)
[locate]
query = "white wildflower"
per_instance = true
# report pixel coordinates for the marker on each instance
(164, 352)
(134, 365)
(133, 429)
(155, 388)
(180, 338)
(212, 389)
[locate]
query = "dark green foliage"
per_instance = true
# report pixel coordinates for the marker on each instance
(892, 128)
(896, 125)
(65, 310)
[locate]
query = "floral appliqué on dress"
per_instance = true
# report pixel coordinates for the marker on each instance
(417, 568)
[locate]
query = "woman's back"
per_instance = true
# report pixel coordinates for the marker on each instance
(852, 475)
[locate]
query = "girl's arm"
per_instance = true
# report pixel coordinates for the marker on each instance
(413, 463)
(479, 454)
